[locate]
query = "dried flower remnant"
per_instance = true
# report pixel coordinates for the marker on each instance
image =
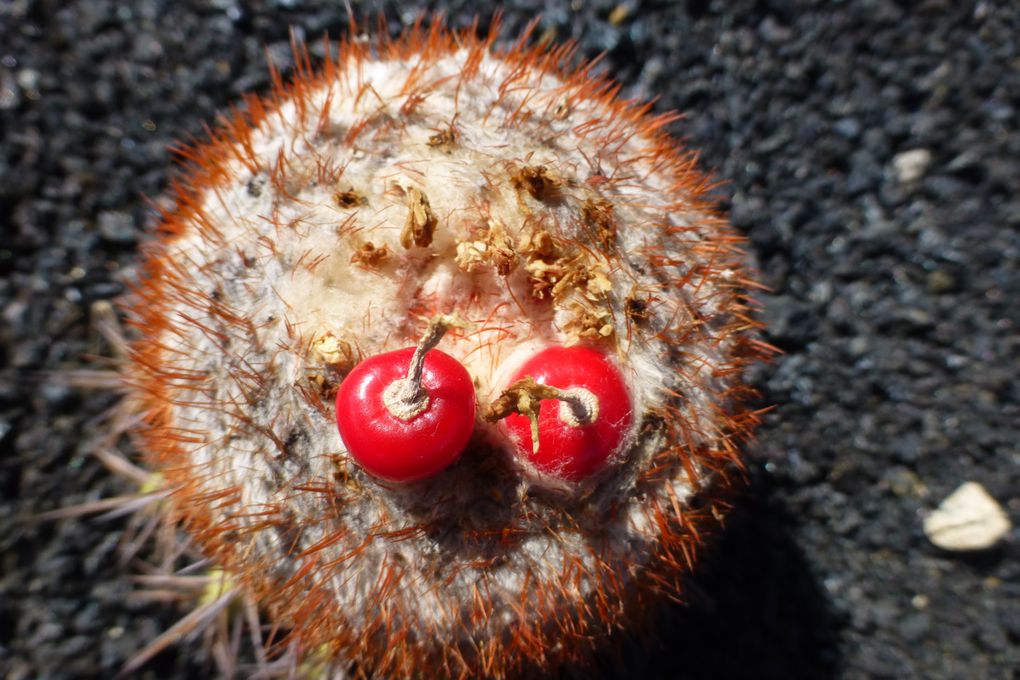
(368, 255)
(421, 221)
(537, 180)
(517, 191)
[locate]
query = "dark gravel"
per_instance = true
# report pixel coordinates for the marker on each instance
(894, 300)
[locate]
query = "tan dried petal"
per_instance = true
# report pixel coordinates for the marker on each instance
(537, 180)
(588, 323)
(370, 255)
(597, 214)
(538, 244)
(330, 350)
(471, 255)
(494, 248)
(444, 140)
(421, 221)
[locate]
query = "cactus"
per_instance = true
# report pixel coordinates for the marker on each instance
(326, 223)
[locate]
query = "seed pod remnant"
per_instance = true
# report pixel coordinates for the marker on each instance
(405, 178)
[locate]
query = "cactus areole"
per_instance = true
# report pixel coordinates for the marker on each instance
(540, 496)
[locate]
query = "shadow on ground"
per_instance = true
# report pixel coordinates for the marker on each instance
(755, 610)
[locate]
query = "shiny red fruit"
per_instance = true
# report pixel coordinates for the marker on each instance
(408, 450)
(573, 451)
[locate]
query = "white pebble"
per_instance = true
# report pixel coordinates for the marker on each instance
(911, 165)
(968, 519)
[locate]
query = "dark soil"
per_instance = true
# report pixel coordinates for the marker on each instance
(895, 302)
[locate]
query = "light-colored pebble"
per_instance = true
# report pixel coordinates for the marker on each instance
(911, 165)
(968, 519)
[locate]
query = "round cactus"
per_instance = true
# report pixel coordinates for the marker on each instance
(326, 224)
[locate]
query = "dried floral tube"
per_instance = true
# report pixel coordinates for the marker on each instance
(403, 179)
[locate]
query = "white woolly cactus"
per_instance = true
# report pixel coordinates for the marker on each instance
(552, 230)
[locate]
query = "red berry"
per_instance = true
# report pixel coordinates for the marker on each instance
(420, 444)
(573, 450)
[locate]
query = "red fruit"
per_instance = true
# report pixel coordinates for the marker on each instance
(573, 443)
(395, 436)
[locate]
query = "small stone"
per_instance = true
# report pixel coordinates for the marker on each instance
(117, 227)
(773, 32)
(619, 14)
(911, 165)
(941, 281)
(847, 127)
(968, 519)
(27, 79)
(903, 482)
(10, 95)
(914, 627)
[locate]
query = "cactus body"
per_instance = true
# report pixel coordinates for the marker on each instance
(433, 174)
